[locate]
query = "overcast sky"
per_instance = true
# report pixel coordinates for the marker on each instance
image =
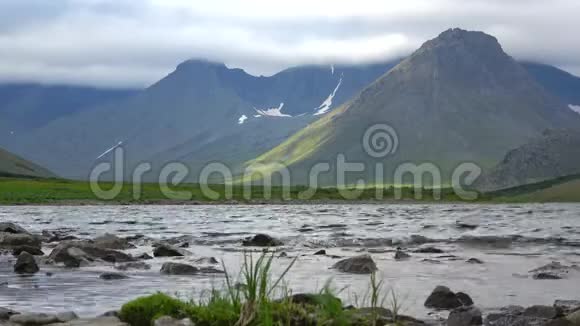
(133, 43)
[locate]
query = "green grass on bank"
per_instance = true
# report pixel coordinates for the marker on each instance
(256, 298)
(47, 191)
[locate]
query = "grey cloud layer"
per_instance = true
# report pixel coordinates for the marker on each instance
(133, 43)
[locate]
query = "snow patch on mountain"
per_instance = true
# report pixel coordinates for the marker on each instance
(575, 108)
(109, 150)
(273, 112)
(325, 106)
(242, 119)
(332, 69)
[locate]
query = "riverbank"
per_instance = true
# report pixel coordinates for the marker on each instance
(67, 192)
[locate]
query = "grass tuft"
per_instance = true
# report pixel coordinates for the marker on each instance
(250, 301)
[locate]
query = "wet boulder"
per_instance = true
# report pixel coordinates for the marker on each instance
(33, 319)
(534, 315)
(552, 271)
(35, 251)
(110, 241)
(9, 227)
(166, 250)
(567, 306)
(546, 276)
(363, 264)
(261, 240)
(465, 316)
(474, 261)
(14, 240)
(6, 313)
(111, 276)
(443, 298)
(25, 264)
(57, 236)
(144, 256)
(464, 298)
(467, 224)
(544, 312)
(178, 269)
(401, 255)
(65, 317)
(429, 250)
(77, 253)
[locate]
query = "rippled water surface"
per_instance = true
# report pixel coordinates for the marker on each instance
(510, 239)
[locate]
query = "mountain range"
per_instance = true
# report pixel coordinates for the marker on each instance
(458, 98)
(202, 111)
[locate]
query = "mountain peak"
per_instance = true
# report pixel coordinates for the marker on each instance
(456, 38)
(197, 64)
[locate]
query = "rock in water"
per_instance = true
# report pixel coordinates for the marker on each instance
(109, 276)
(178, 269)
(165, 250)
(6, 313)
(552, 271)
(31, 250)
(14, 240)
(442, 298)
(546, 276)
(33, 319)
(170, 321)
(567, 306)
(545, 312)
(474, 261)
(465, 316)
(429, 250)
(25, 264)
(464, 298)
(363, 264)
(110, 241)
(261, 240)
(320, 252)
(207, 260)
(144, 256)
(74, 253)
(401, 255)
(67, 316)
(10, 227)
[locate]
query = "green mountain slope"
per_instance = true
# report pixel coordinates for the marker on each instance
(459, 98)
(12, 165)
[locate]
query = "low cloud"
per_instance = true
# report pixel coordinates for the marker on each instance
(127, 43)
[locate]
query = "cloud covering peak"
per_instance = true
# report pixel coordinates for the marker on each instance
(124, 43)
